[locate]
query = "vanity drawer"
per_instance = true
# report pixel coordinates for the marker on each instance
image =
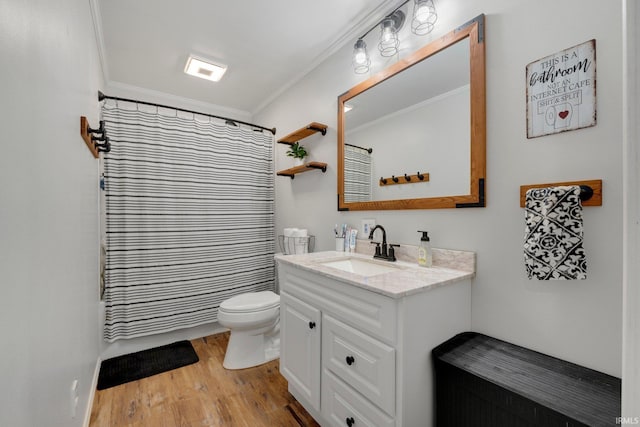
(371, 312)
(364, 363)
(342, 406)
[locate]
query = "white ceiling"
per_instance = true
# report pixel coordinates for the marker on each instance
(267, 45)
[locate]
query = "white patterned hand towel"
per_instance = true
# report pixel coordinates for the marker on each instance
(553, 234)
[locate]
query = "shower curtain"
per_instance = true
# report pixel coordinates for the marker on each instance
(189, 217)
(357, 174)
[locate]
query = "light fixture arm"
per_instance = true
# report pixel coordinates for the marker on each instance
(397, 17)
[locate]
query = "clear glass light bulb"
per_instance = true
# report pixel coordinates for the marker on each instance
(360, 57)
(423, 13)
(387, 33)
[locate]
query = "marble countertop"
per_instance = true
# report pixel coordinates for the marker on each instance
(407, 278)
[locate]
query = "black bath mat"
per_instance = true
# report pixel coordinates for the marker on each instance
(142, 364)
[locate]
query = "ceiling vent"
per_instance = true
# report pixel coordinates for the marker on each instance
(204, 69)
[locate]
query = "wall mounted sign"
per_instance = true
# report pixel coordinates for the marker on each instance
(561, 91)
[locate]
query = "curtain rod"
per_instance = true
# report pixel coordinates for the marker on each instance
(370, 150)
(102, 97)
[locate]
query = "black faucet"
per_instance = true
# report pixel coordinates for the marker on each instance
(383, 251)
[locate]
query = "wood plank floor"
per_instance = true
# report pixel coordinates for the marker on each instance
(202, 394)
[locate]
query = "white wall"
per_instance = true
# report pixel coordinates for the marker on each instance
(48, 211)
(576, 320)
(631, 309)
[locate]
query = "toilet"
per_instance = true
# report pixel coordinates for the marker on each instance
(254, 321)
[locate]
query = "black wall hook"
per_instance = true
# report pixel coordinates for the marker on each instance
(105, 147)
(383, 180)
(394, 178)
(407, 177)
(99, 138)
(99, 130)
(420, 176)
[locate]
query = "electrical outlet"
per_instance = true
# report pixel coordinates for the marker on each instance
(74, 398)
(366, 226)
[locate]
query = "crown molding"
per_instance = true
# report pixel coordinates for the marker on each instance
(350, 35)
(96, 17)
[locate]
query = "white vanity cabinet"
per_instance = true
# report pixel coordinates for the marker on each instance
(355, 356)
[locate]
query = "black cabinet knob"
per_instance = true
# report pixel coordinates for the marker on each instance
(350, 360)
(350, 421)
(312, 325)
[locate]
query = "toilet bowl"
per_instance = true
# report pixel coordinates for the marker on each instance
(254, 321)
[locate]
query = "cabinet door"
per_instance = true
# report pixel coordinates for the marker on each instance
(300, 347)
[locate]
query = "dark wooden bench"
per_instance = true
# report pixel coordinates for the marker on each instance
(482, 381)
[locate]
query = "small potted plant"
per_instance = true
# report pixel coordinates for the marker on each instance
(298, 152)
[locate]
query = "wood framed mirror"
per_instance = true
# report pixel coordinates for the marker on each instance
(420, 122)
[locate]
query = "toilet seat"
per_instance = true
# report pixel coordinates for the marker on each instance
(251, 302)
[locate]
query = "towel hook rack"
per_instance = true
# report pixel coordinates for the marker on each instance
(404, 179)
(96, 139)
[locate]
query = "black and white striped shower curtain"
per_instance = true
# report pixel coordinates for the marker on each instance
(189, 217)
(357, 174)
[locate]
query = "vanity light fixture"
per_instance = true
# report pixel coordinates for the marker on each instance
(204, 69)
(422, 22)
(424, 17)
(388, 45)
(361, 60)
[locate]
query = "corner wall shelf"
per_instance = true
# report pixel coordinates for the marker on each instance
(296, 136)
(304, 132)
(291, 172)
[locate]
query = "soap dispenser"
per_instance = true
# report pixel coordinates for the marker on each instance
(425, 258)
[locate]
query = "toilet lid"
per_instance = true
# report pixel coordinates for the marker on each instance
(252, 301)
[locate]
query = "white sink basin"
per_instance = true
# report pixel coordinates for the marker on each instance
(360, 266)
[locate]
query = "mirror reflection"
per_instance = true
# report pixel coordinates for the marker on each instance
(416, 122)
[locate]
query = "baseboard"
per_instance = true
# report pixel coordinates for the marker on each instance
(92, 393)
